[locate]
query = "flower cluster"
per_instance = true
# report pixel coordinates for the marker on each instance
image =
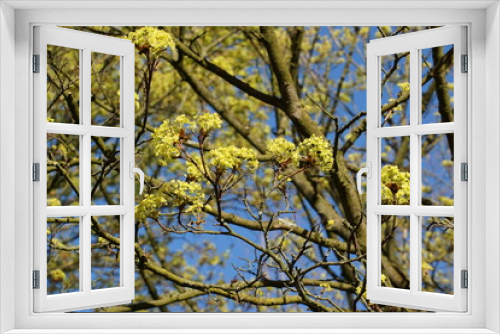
(149, 206)
(166, 140)
(318, 151)
(188, 195)
(313, 150)
(283, 151)
(53, 202)
(195, 168)
(204, 122)
(207, 122)
(398, 107)
(57, 275)
(446, 201)
(232, 157)
(395, 186)
(185, 194)
(404, 86)
(152, 39)
(168, 136)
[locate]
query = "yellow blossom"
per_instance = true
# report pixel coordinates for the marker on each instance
(153, 39)
(326, 286)
(395, 186)
(53, 202)
(363, 32)
(282, 150)
(149, 206)
(398, 107)
(447, 163)
(188, 194)
(446, 201)
(359, 289)
(344, 97)
(57, 275)
(182, 120)
(207, 122)
(404, 86)
(318, 150)
(426, 189)
(232, 157)
(195, 168)
(165, 138)
(427, 267)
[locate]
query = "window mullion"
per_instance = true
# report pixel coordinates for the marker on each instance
(414, 169)
(86, 183)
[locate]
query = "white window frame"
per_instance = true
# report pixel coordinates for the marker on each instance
(414, 43)
(86, 43)
(484, 103)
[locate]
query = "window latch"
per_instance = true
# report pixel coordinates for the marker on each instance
(368, 171)
(139, 171)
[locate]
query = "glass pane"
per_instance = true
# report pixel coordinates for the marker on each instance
(437, 254)
(395, 89)
(437, 170)
(437, 85)
(63, 168)
(63, 85)
(395, 243)
(105, 241)
(395, 173)
(105, 171)
(63, 255)
(105, 89)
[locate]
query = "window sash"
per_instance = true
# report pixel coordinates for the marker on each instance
(413, 298)
(86, 297)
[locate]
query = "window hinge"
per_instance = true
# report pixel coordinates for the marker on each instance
(465, 279)
(465, 64)
(36, 279)
(36, 172)
(36, 63)
(464, 171)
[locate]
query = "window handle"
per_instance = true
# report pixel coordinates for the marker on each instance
(368, 171)
(139, 171)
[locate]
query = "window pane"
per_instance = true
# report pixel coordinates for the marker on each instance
(63, 255)
(395, 173)
(437, 254)
(395, 243)
(437, 84)
(105, 171)
(105, 89)
(63, 85)
(395, 87)
(63, 168)
(105, 241)
(437, 170)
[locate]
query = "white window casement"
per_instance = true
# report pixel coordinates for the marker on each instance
(414, 46)
(88, 140)
(477, 142)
